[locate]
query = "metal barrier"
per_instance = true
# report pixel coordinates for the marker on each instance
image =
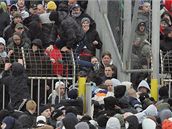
(44, 69)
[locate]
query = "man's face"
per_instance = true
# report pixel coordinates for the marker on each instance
(108, 72)
(21, 3)
(17, 20)
(17, 40)
(40, 9)
(109, 85)
(94, 61)
(46, 113)
(146, 7)
(2, 47)
(76, 12)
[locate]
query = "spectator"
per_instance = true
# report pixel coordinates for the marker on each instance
(17, 84)
(28, 119)
(107, 60)
(15, 46)
(10, 122)
(40, 9)
(143, 87)
(5, 19)
(58, 94)
(77, 13)
(10, 29)
(93, 40)
(42, 123)
(22, 8)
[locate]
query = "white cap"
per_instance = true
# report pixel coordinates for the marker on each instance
(2, 40)
(58, 84)
(148, 124)
(40, 120)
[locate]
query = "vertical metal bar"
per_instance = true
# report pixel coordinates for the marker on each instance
(88, 99)
(31, 89)
(74, 68)
(3, 101)
(38, 95)
(45, 94)
(52, 88)
(24, 59)
(169, 90)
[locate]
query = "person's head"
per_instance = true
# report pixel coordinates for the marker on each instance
(51, 6)
(85, 22)
(76, 10)
(94, 60)
(31, 106)
(109, 85)
(2, 44)
(45, 110)
(108, 71)
(17, 18)
(164, 23)
(36, 45)
(60, 88)
(19, 28)
(143, 87)
(106, 58)
(33, 9)
(40, 121)
(8, 122)
(142, 26)
(21, 3)
(146, 7)
(40, 9)
(17, 38)
(13, 9)
(72, 2)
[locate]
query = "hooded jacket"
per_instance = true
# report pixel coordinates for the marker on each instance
(69, 30)
(17, 84)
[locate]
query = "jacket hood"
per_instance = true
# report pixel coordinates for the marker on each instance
(143, 83)
(17, 69)
(133, 122)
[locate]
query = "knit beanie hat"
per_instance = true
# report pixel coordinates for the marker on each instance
(31, 105)
(119, 91)
(57, 113)
(133, 122)
(2, 41)
(73, 93)
(44, 107)
(165, 114)
(70, 121)
(9, 121)
(113, 123)
(148, 124)
(102, 120)
(115, 82)
(51, 5)
(167, 124)
(37, 42)
(82, 125)
(40, 121)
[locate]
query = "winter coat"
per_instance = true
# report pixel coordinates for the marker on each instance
(16, 81)
(58, 65)
(91, 36)
(68, 29)
(10, 29)
(27, 120)
(5, 21)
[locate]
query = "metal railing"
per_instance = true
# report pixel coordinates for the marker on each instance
(44, 70)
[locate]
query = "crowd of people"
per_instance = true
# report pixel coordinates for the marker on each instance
(38, 39)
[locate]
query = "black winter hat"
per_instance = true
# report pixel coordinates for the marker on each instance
(54, 16)
(102, 120)
(44, 107)
(163, 91)
(110, 102)
(57, 113)
(119, 91)
(70, 121)
(37, 42)
(133, 122)
(73, 94)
